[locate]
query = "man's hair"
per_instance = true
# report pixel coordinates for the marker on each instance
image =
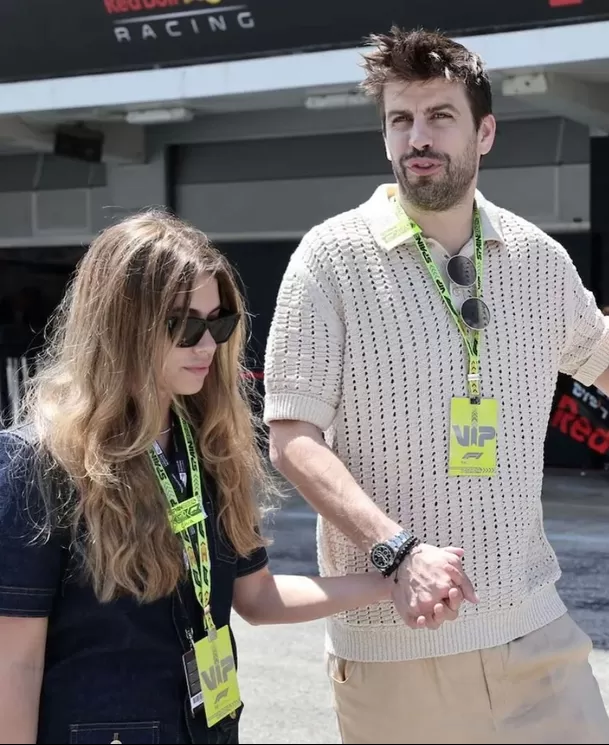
(414, 56)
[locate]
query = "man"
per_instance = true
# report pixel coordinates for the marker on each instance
(410, 371)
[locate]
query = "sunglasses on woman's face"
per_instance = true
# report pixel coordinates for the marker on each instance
(221, 328)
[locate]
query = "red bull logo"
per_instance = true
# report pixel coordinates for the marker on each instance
(150, 20)
(136, 6)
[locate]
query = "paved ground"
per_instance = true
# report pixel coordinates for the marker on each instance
(282, 677)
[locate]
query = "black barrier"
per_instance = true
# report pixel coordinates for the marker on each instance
(54, 38)
(578, 433)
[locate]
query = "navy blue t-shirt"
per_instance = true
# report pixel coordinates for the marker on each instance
(113, 671)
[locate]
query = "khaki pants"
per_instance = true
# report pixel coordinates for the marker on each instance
(536, 689)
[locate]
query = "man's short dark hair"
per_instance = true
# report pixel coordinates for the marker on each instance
(415, 56)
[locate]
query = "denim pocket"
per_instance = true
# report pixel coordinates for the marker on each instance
(120, 733)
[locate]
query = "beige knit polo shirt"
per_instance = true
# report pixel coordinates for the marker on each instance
(363, 346)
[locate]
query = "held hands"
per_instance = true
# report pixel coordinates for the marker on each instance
(430, 587)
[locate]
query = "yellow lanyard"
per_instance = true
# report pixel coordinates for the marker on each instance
(188, 519)
(471, 339)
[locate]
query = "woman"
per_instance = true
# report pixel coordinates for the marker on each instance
(128, 517)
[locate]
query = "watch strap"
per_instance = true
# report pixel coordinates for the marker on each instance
(404, 550)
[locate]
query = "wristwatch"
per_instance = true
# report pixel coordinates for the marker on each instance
(388, 555)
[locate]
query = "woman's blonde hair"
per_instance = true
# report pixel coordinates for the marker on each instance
(94, 406)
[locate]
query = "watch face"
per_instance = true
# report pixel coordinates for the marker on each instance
(382, 556)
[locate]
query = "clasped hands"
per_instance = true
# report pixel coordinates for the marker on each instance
(430, 585)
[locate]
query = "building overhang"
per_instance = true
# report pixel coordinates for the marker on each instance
(561, 70)
(530, 50)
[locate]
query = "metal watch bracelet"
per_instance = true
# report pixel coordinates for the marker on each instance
(401, 555)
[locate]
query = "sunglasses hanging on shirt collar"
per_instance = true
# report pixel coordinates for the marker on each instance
(194, 328)
(474, 312)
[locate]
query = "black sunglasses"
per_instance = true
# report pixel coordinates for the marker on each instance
(193, 330)
(475, 313)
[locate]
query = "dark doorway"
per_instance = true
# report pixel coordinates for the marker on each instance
(260, 266)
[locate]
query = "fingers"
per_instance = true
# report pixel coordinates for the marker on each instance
(427, 622)
(433, 615)
(458, 575)
(455, 598)
(461, 579)
(454, 560)
(456, 551)
(468, 590)
(434, 588)
(446, 611)
(442, 612)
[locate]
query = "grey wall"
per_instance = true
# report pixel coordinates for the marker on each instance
(275, 188)
(51, 201)
(262, 175)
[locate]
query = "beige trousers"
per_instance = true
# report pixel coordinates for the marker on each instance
(536, 689)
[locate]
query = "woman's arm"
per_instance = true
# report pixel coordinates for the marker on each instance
(30, 573)
(263, 598)
(22, 647)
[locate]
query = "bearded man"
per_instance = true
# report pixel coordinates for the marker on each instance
(410, 372)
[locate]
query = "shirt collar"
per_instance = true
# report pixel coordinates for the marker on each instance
(389, 231)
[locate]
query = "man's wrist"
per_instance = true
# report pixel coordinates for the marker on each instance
(382, 530)
(386, 556)
(403, 554)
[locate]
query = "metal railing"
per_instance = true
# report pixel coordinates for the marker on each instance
(14, 374)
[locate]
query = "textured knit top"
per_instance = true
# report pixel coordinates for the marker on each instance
(363, 347)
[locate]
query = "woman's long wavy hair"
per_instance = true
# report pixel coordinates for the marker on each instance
(94, 406)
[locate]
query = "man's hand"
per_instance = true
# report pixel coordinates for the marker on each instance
(431, 586)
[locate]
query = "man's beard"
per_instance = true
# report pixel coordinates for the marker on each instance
(441, 192)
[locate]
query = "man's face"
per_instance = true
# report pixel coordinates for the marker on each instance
(432, 142)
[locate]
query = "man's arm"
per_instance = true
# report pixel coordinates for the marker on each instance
(602, 382)
(430, 585)
(299, 452)
(585, 354)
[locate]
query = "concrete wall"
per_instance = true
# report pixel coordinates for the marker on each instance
(554, 197)
(261, 175)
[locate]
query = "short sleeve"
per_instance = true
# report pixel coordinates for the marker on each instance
(304, 353)
(252, 563)
(586, 352)
(30, 564)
